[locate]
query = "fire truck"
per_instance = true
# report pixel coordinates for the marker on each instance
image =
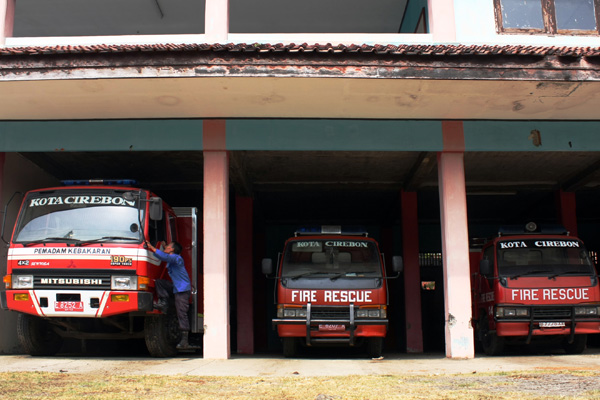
(77, 267)
(534, 284)
(331, 289)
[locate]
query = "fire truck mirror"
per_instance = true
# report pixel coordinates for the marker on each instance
(267, 266)
(156, 209)
(485, 267)
(397, 264)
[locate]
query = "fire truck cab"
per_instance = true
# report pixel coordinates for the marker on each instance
(77, 266)
(534, 284)
(331, 289)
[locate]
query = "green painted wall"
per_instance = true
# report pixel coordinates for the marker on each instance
(514, 135)
(107, 135)
(342, 135)
(290, 135)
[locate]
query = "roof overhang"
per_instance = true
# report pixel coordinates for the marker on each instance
(264, 81)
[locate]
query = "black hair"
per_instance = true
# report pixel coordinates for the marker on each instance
(176, 247)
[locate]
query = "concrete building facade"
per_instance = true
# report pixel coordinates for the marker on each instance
(494, 116)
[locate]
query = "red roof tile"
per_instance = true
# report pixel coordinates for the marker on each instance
(409, 50)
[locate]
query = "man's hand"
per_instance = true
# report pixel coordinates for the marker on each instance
(150, 247)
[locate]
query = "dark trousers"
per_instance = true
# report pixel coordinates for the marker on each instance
(164, 290)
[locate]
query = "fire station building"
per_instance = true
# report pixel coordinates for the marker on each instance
(430, 122)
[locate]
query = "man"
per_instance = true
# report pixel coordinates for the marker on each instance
(179, 286)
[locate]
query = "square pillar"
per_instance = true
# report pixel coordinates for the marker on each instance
(7, 19)
(244, 275)
(216, 21)
(567, 210)
(216, 239)
(455, 243)
(442, 24)
(412, 272)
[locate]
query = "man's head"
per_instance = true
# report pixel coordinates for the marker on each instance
(173, 247)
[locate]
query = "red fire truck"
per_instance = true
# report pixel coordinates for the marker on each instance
(331, 289)
(77, 266)
(534, 284)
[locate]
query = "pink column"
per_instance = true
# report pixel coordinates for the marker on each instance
(216, 21)
(7, 18)
(412, 273)
(567, 210)
(245, 281)
(442, 24)
(455, 242)
(216, 236)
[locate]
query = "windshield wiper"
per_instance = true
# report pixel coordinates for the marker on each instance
(105, 239)
(529, 273)
(569, 273)
(357, 274)
(49, 239)
(306, 274)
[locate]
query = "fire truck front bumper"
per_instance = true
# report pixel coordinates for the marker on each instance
(328, 325)
(569, 320)
(94, 304)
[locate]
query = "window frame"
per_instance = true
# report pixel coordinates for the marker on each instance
(549, 18)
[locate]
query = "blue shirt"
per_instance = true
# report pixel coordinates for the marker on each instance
(176, 270)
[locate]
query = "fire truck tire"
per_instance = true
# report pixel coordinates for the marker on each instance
(162, 334)
(36, 336)
(374, 347)
(290, 346)
(491, 343)
(578, 345)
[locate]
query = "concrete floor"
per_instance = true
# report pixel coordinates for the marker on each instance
(275, 365)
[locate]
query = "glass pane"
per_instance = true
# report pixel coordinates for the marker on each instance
(321, 16)
(522, 14)
(575, 14)
(42, 18)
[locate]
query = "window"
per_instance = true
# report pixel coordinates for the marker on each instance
(570, 17)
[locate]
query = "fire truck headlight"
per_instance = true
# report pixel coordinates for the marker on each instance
(287, 313)
(291, 312)
(512, 312)
(371, 313)
(22, 282)
(592, 311)
(123, 282)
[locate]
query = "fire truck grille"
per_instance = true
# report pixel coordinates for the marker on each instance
(340, 313)
(551, 313)
(69, 279)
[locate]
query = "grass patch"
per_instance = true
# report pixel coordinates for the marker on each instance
(572, 384)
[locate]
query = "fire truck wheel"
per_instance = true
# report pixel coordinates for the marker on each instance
(37, 336)
(374, 347)
(162, 334)
(491, 343)
(578, 345)
(290, 346)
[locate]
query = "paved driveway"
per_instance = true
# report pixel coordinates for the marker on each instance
(275, 365)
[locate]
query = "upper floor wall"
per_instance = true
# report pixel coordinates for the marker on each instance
(491, 22)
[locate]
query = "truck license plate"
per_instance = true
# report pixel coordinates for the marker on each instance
(552, 324)
(70, 306)
(331, 328)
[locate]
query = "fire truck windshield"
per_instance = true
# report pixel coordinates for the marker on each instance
(343, 258)
(543, 257)
(77, 215)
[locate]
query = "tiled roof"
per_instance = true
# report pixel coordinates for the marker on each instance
(409, 50)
